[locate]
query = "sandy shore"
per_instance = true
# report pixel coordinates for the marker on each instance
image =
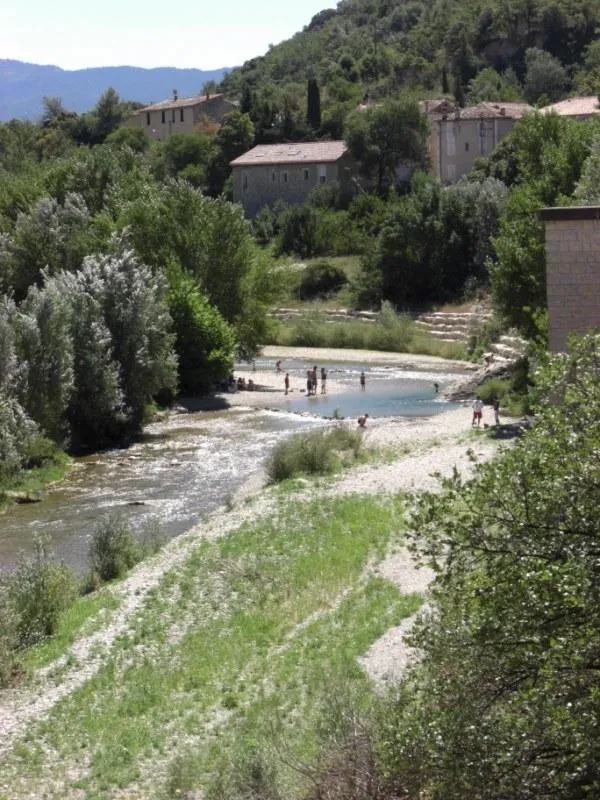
(318, 354)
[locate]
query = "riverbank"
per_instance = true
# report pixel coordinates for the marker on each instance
(190, 594)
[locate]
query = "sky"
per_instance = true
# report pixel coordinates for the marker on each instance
(147, 33)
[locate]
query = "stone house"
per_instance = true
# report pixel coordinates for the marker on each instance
(180, 114)
(289, 172)
(574, 108)
(459, 136)
(572, 272)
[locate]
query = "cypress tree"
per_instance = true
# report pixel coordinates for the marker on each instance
(313, 104)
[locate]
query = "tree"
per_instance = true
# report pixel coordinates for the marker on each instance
(234, 137)
(545, 76)
(45, 347)
(313, 104)
(382, 137)
(503, 704)
(205, 343)
(588, 189)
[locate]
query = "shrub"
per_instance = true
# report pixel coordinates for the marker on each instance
(39, 590)
(113, 549)
(315, 453)
(8, 637)
(321, 279)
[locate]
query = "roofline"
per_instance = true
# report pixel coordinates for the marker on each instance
(568, 213)
(268, 162)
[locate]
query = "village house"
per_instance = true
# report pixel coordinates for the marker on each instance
(289, 172)
(574, 108)
(459, 136)
(180, 114)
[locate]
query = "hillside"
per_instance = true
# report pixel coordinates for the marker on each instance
(381, 47)
(23, 85)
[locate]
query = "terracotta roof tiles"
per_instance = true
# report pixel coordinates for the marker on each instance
(292, 153)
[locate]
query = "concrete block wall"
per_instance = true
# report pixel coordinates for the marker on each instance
(572, 271)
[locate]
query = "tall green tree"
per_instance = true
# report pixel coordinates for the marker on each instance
(384, 136)
(503, 704)
(313, 104)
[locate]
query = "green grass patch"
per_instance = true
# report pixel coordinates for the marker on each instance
(259, 622)
(30, 483)
(398, 335)
(84, 616)
(317, 452)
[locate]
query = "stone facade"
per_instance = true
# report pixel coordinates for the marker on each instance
(289, 173)
(459, 136)
(572, 271)
(179, 115)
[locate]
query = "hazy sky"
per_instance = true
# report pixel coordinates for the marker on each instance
(148, 33)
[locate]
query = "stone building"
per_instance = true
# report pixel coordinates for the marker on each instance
(572, 271)
(180, 114)
(461, 135)
(289, 172)
(574, 108)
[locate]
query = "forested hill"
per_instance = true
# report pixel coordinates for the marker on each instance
(491, 49)
(23, 86)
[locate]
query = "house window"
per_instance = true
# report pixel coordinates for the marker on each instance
(466, 147)
(244, 182)
(181, 115)
(163, 119)
(322, 174)
(173, 115)
(272, 176)
(306, 175)
(147, 118)
(285, 177)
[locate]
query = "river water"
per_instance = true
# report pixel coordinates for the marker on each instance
(188, 464)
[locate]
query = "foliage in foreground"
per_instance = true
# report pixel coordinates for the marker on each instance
(315, 453)
(504, 704)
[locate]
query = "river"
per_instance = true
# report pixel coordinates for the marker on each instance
(188, 464)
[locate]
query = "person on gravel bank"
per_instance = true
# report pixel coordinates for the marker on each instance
(477, 411)
(362, 421)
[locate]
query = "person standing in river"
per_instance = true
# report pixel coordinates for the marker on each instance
(323, 380)
(286, 382)
(363, 381)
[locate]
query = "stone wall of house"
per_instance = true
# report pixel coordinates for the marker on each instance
(256, 186)
(162, 123)
(572, 271)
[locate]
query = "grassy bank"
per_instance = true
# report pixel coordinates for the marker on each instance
(396, 333)
(245, 640)
(29, 484)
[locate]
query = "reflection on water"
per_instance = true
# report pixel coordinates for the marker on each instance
(186, 466)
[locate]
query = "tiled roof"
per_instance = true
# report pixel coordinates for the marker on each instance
(489, 110)
(574, 107)
(436, 108)
(292, 153)
(181, 102)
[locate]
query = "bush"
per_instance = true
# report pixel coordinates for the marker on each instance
(321, 279)
(316, 453)
(38, 591)
(113, 549)
(8, 638)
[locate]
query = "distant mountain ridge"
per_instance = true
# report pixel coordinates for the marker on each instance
(23, 86)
